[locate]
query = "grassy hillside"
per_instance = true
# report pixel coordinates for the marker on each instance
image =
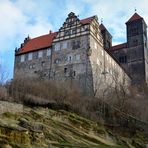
(43, 127)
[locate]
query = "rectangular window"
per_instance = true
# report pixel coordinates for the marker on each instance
(69, 58)
(43, 63)
(77, 57)
(40, 54)
(65, 70)
(76, 44)
(49, 52)
(64, 45)
(57, 47)
(123, 59)
(74, 73)
(30, 56)
(22, 58)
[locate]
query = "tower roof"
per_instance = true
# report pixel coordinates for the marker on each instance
(135, 17)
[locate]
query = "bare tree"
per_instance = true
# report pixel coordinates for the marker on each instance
(3, 74)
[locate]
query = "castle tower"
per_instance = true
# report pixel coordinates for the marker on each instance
(137, 53)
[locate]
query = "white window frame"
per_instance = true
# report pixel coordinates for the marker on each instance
(48, 52)
(40, 54)
(57, 47)
(69, 58)
(30, 56)
(22, 58)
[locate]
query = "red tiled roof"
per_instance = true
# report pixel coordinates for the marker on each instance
(117, 47)
(134, 18)
(45, 40)
(38, 43)
(87, 20)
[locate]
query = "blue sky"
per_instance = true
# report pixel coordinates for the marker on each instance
(20, 18)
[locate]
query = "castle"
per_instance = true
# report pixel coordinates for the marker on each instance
(81, 51)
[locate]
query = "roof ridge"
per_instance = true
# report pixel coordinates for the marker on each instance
(43, 35)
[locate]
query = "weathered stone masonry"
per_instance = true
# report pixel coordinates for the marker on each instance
(81, 51)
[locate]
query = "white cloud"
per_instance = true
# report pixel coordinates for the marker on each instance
(18, 18)
(16, 23)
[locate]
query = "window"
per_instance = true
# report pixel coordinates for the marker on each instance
(64, 45)
(22, 58)
(57, 61)
(78, 30)
(65, 70)
(48, 52)
(43, 63)
(32, 66)
(69, 58)
(123, 59)
(76, 44)
(40, 54)
(77, 57)
(57, 47)
(74, 73)
(30, 56)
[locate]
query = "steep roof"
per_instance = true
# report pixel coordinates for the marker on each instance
(135, 17)
(45, 41)
(117, 47)
(87, 20)
(37, 43)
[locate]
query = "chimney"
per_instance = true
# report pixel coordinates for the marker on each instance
(50, 31)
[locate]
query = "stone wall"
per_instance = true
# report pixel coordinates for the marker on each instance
(10, 107)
